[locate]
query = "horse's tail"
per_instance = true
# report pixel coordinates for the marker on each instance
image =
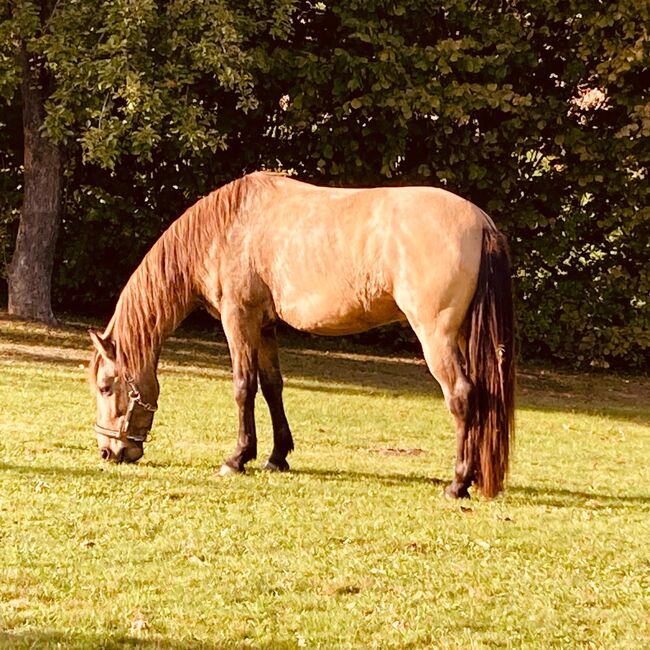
(490, 365)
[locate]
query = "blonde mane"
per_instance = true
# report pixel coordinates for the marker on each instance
(165, 287)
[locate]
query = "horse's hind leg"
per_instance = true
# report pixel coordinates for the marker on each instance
(272, 384)
(443, 357)
(242, 330)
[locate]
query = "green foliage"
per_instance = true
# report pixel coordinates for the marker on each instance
(132, 77)
(538, 112)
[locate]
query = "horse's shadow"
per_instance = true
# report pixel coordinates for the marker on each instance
(358, 477)
(514, 494)
(555, 497)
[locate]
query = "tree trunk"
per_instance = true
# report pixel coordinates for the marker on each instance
(30, 271)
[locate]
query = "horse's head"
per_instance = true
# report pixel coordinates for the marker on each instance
(125, 403)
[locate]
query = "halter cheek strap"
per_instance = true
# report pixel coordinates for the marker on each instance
(125, 432)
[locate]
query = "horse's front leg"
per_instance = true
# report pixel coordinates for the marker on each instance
(243, 334)
(272, 384)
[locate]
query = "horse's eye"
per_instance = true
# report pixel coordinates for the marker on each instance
(105, 390)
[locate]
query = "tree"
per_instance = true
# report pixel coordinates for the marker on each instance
(30, 270)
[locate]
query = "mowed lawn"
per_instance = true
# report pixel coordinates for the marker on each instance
(354, 548)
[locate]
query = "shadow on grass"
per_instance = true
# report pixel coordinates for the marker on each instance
(563, 498)
(73, 360)
(543, 495)
(557, 497)
(52, 470)
(347, 369)
(152, 472)
(348, 476)
(58, 471)
(37, 640)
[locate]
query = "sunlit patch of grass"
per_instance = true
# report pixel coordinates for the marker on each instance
(355, 548)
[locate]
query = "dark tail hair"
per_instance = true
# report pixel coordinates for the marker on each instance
(490, 365)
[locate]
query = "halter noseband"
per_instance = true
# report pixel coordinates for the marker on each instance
(124, 433)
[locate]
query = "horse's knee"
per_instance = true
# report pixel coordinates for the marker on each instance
(245, 389)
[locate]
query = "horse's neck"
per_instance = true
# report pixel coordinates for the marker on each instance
(151, 306)
(164, 288)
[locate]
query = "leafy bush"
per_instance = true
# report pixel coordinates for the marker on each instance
(538, 112)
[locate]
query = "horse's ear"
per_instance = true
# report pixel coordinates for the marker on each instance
(104, 346)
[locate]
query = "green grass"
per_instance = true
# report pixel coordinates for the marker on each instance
(355, 548)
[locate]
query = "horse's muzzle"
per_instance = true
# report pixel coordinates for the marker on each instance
(123, 455)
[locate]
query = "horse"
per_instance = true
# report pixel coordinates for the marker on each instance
(330, 261)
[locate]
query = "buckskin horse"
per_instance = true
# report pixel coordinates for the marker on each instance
(329, 261)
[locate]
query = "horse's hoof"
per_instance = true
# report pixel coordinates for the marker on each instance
(455, 491)
(227, 470)
(272, 466)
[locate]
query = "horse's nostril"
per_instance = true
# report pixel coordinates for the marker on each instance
(105, 453)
